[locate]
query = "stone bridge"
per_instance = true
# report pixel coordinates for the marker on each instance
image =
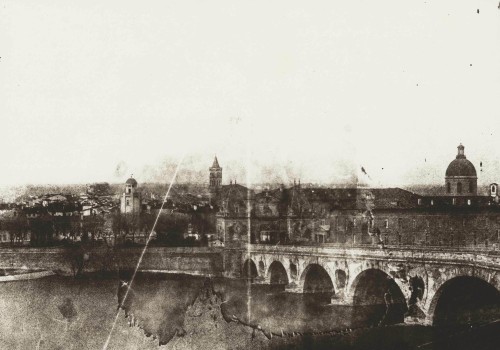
(420, 278)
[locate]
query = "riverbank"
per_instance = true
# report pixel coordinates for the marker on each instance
(9, 275)
(69, 261)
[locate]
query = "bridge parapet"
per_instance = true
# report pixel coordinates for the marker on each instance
(427, 254)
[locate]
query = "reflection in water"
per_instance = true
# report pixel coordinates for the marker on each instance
(162, 305)
(271, 308)
(159, 303)
(274, 309)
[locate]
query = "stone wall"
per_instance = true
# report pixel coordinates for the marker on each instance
(206, 261)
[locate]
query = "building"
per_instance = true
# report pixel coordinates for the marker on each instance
(461, 176)
(130, 201)
(233, 218)
(361, 215)
(215, 180)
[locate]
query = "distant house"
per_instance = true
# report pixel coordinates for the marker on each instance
(57, 198)
(89, 209)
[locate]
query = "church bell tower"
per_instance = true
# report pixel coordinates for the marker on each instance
(215, 176)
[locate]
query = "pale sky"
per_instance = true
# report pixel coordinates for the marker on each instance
(97, 90)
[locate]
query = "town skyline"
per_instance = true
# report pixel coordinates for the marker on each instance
(343, 172)
(312, 98)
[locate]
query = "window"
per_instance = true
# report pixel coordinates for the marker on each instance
(414, 223)
(432, 201)
(448, 187)
(386, 223)
(400, 222)
(468, 202)
(354, 222)
(459, 187)
(471, 186)
(454, 201)
(419, 201)
(493, 190)
(127, 202)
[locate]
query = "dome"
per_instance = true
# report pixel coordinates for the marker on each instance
(131, 181)
(461, 166)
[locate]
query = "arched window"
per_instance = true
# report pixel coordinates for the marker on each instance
(459, 187)
(448, 187)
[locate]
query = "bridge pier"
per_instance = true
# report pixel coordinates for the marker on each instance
(417, 315)
(294, 287)
(260, 280)
(340, 298)
(411, 320)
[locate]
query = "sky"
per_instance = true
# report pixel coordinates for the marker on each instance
(99, 90)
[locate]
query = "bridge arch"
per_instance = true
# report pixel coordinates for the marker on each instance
(316, 279)
(376, 288)
(249, 269)
(370, 286)
(464, 300)
(277, 273)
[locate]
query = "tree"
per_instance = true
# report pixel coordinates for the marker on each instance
(203, 220)
(125, 224)
(132, 224)
(100, 189)
(116, 225)
(42, 230)
(92, 226)
(78, 259)
(18, 228)
(170, 228)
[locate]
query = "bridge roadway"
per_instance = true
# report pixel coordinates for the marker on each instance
(364, 274)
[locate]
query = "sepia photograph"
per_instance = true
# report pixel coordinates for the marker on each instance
(229, 174)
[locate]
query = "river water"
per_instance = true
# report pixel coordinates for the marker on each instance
(65, 313)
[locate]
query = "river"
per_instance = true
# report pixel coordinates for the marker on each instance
(180, 311)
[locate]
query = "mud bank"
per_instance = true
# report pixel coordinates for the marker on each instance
(206, 323)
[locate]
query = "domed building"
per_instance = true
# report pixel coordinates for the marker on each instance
(130, 201)
(461, 176)
(131, 183)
